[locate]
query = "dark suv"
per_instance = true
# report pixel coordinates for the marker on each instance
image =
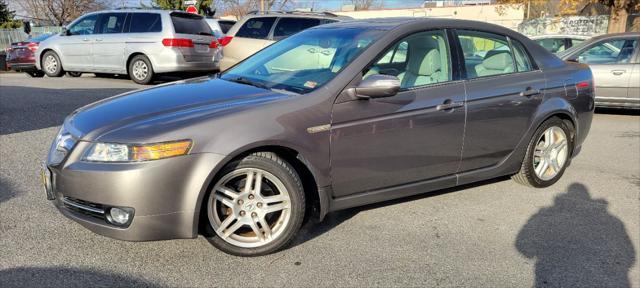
(336, 116)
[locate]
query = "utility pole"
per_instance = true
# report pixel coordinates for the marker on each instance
(262, 6)
(528, 9)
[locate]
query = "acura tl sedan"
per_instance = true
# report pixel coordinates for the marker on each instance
(336, 116)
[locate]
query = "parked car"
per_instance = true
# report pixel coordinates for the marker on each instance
(559, 43)
(258, 30)
(336, 116)
(21, 55)
(226, 24)
(615, 62)
(140, 43)
(215, 27)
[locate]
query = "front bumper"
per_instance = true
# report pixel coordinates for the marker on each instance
(164, 193)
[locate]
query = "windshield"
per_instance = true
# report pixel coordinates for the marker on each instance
(573, 48)
(305, 61)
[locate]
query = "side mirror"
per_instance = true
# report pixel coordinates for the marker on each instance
(377, 86)
(65, 31)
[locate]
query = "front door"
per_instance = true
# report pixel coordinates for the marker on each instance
(77, 46)
(504, 90)
(413, 136)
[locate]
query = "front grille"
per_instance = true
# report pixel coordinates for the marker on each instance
(84, 207)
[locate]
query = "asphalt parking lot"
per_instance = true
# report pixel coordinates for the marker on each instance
(582, 232)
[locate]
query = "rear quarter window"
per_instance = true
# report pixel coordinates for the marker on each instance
(145, 23)
(256, 28)
(187, 24)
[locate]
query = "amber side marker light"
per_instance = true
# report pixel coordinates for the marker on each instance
(160, 150)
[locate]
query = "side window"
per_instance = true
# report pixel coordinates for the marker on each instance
(256, 28)
(417, 60)
(616, 51)
(289, 26)
(576, 42)
(85, 26)
(553, 45)
(111, 23)
(485, 54)
(145, 22)
(523, 61)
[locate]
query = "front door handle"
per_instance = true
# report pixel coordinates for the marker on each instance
(98, 40)
(529, 92)
(448, 105)
(618, 72)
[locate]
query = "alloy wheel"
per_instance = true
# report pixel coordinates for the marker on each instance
(140, 70)
(51, 64)
(551, 153)
(249, 207)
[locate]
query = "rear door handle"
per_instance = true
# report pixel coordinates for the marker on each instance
(618, 72)
(448, 104)
(529, 92)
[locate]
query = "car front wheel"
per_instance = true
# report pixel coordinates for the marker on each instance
(548, 154)
(51, 64)
(256, 206)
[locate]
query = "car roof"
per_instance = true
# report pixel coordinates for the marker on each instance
(295, 14)
(553, 36)
(141, 10)
(616, 35)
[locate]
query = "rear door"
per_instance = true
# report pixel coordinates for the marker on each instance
(109, 45)
(196, 29)
(504, 89)
(76, 48)
(611, 63)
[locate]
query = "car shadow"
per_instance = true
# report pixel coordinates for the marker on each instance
(312, 228)
(7, 191)
(577, 243)
(27, 108)
(67, 277)
(615, 111)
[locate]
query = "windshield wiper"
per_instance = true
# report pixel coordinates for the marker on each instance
(246, 81)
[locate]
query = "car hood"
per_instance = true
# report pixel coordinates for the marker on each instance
(199, 97)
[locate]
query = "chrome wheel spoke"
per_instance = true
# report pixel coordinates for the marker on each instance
(555, 166)
(548, 137)
(258, 183)
(265, 228)
(232, 229)
(249, 182)
(275, 199)
(276, 207)
(224, 200)
(230, 193)
(550, 153)
(542, 167)
(254, 226)
(225, 224)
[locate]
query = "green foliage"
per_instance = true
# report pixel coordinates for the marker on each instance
(11, 24)
(179, 4)
(6, 15)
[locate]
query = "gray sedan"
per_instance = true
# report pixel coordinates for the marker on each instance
(615, 62)
(333, 117)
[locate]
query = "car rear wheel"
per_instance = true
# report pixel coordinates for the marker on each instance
(140, 70)
(51, 64)
(547, 155)
(256, 206)
(74, 74)
(35, 74)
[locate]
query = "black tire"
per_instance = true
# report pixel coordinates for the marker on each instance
(279, 168)
(58, 71)
(527, 175)
(145, 78)
(35, 74)
(74, 74)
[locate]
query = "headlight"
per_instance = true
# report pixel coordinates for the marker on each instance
(112, 152)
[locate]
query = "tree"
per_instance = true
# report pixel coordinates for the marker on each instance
(60, 12)
(6, 15)
(620, 10)
(363, 4)
(179, 4)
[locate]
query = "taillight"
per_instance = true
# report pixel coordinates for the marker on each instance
(224, 41)
(177, 42)
(214, 44)
(33, 46)
(583, 84)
